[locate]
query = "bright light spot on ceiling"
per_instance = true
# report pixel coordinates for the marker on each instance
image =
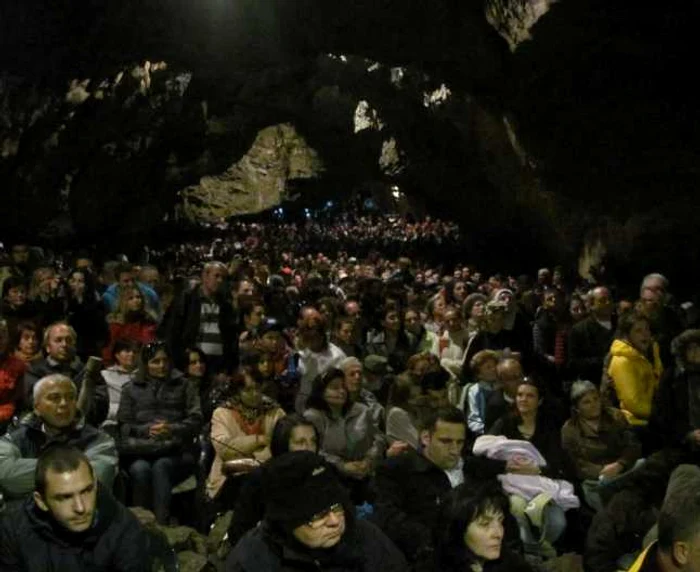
(367, 118)
(438, 97)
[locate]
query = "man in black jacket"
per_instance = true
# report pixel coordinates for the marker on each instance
(410, 487)
(71, 523)
(590, 339)
(204, 318)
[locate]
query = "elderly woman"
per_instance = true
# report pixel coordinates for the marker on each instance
(26, 342)
(473, 310)
(291, 433)
(350, 438)
(634, 368)
(241, 429)
(159, 417)
(598, 440)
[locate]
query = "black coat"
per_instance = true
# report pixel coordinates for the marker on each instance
(670, 415)
(363, 548)
(410, 489)
(589, 343)
(31, 541)
(181, 326)
(144, 401)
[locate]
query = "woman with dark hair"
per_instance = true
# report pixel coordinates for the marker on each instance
(15, 307)
(198, 373)
(350, 438)
(124, 353)
(11, 379)
(634, 369)
(241, 428)
(85, 312)
(530, 422)
(456, 292)
(472, 531)
(473, 311)
(159, 417)
(26, 342)
(291, 433)
(391, 340)
(132, 320)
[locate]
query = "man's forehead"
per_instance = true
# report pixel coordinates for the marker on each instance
(57, 388)
(68, 482)
(447, 429)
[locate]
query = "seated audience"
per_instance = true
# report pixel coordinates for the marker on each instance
(11, 379)
(598, 440)
(71, 523)
(291, 433)
(124, 353)
(350, 440)
(634, 369)
(55, 419)
(159, 416)
(310, 524)
(131, 320)
(241, 428)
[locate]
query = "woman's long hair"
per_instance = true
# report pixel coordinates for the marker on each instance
(147, 353)
(316, 399)
(462, 506)
(122, 313)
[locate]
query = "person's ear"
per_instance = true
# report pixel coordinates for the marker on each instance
(425, 438)
(39, 501)
(681, 553)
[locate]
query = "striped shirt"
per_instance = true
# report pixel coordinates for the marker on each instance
(209, 339)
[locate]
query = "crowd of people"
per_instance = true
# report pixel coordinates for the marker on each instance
(355, 404)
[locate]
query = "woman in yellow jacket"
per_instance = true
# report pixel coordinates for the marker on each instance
(634, 368)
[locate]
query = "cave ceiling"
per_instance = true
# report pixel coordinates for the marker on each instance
(592, 102)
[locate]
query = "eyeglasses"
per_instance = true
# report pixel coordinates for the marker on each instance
(318, 520)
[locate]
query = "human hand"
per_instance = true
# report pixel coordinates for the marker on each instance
(159, 430)
(396, 448)
(611, 470)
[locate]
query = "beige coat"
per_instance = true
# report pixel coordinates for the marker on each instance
(230, 442)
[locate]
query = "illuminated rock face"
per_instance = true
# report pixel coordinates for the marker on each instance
(513, 19)
(258, 181)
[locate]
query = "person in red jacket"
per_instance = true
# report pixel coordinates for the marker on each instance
(11, 379)
(132, 320)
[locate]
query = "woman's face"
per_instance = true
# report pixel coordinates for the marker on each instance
(158, 365)
(303, 438)
(335, 394)
(251, 395)
(589, 405)
(392, 322)
(439, 307)
(460, 291)
(76, 282)
(256, 317)
(134, 301)
(45, 279)
(28, 342)
(526, 399)
(640, 336)
(17, 296)
(477, 309)
(484, 535)
(195, 366)
(126, 359)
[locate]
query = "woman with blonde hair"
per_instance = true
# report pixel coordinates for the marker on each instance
(132, 320)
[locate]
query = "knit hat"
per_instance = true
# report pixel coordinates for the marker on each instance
(469, 302)
(298, 486)
(581, 387)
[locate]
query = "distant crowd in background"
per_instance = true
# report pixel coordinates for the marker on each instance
(355, 394)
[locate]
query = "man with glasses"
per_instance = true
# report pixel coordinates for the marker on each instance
(309, 524)
(55, 419)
